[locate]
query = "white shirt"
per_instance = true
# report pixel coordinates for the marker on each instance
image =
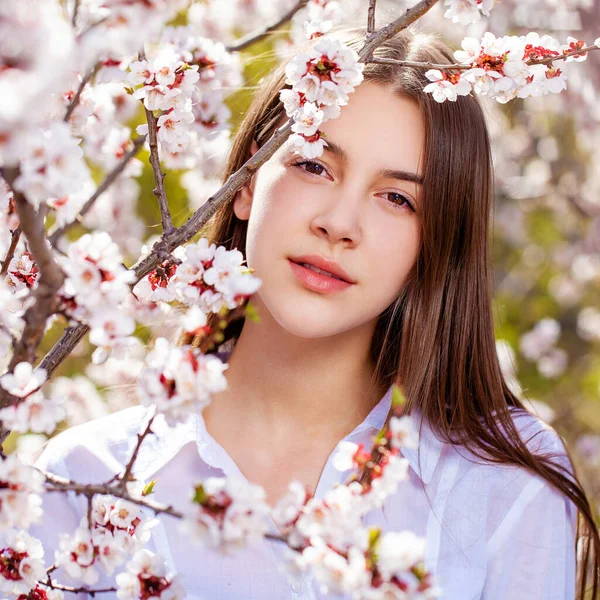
(493, 532)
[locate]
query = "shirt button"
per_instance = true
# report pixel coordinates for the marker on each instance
(297, 587)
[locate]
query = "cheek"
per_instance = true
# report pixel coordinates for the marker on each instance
(394, 252)
(279, 208)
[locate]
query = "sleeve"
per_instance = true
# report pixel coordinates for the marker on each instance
(531, 551)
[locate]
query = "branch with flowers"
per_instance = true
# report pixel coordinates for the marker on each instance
(182, 80)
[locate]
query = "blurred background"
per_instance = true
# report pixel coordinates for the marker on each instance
(546, 245)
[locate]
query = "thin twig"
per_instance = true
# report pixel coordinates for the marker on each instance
(54, 483)
(75, 101)
(128, 469)
(390, 30)
(249, 39)
(75, 11)
(79, 590)
(57, 232)
(90, 500)
(14, 241)
(181, 235)
(159, 176)
(371, 17)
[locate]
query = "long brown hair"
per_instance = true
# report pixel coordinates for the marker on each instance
(437, 338)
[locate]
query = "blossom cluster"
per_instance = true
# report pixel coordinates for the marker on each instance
(179, 380)
(226, 513)
(11, 311)
(96, 287)
(118, 531)
(51, 164)
(146, 577)
(468, 11)
(21, 562)
(320, 82)
(505, 68)
(112, 27)
(208, 276)
(219, 72)
(33, 412)
(36, 51)
(20, 486)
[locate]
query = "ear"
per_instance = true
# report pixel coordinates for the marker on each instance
(242, 202)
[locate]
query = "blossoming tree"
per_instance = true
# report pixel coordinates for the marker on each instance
(75, 78)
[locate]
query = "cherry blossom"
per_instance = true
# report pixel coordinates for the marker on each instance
(29, 77)
(119, 529)
(35, 413)
(21, 562)
(179, 380)
(146, 577)
(467, 11)
(226, 513)
(51, 164)
(81, 399)
(22, 271)
(20, 486)
(24, 380)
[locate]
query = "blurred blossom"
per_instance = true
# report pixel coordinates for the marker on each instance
(29, 447)
(588, 446)
(81, 399)
(565, 290)
(541, 409)
(588, 324)
(553, 364)
(586, 267)
(540, 340)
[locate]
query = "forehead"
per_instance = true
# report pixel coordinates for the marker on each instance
(379, 129)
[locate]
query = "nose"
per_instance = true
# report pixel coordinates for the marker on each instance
(338, 217)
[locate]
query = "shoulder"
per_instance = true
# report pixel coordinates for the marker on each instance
(506, 493)
(87, 450)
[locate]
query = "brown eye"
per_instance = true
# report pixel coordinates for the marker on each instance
(399, 200)
(314, 168)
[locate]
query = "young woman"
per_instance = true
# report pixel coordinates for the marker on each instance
(398, 208)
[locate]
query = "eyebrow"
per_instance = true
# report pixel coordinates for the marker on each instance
(338, 151)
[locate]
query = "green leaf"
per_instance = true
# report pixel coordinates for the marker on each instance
(199, 494)
(252, 313)
(398, 398)
(149, 488)
(374, 535)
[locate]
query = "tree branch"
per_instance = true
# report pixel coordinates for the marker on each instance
(466, 67)
(57, 232)
(249, 39)
(75, 101)
(390, 30)
(140, 438)
(371, 17)
(14, 241)
(50, 279)
(54, 483)
(159, 176)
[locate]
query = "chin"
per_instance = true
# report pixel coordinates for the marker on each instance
(309, 318)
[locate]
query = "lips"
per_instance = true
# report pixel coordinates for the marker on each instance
(323, 264)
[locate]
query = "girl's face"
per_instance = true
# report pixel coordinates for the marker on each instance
(358, 205)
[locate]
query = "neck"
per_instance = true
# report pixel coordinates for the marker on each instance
(282, 383)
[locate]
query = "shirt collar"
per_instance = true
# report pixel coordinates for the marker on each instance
(159, 449)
